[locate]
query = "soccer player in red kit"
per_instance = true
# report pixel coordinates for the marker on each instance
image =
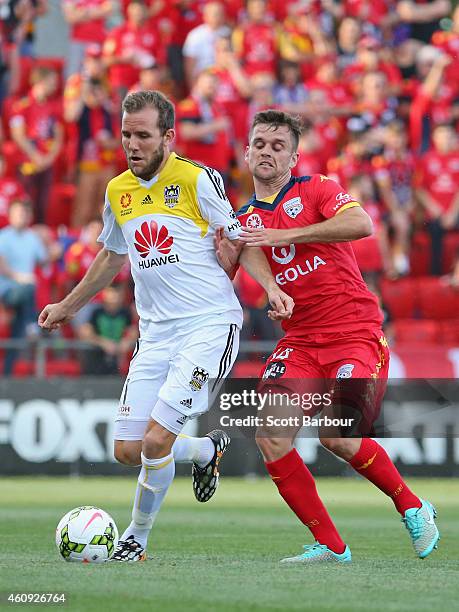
(305, 225)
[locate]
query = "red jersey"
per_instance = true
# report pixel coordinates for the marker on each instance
(256, 46)
(88, 31)
(142, 43)
(372, 12)
(396, 171)
(323, 279)
(183, 19)
(438, 175)
(40, 118)
(213, 150)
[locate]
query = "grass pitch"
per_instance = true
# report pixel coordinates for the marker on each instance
(224, 555)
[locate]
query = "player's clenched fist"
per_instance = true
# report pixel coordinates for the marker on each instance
(54, 316)
(281, 303)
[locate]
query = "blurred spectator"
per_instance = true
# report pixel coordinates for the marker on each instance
(373, 13)
(290, 93)
(394, 173)
(349, 34)
(21, 250)
(9, 68)
(36, 128)
(185, 15)
(152, 77)
(448, 42)
(86, 19)
(373, 252)
(355, 155)
(331, 94)
(374, 106)
(437, 182)
(199, 47)
(310, 159)
(434, 101)
(10, 190)
(296, 42)
(422, 17)
(18, 17)
(233, 86)
(48, 275)
(110, 331)
(370, 59)
(92, 112)
(256, 40)
(92, 68)
(203, 127)
(130, 47)
(262, 98)
(77, 260)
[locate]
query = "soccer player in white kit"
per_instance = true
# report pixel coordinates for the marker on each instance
(164, 213)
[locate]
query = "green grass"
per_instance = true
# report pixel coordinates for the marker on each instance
(224, 555)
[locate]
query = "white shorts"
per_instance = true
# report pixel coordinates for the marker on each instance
(176, 369)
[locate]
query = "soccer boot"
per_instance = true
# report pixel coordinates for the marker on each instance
(319, 553)
(205, 480)
(129, 551)
(420, 523)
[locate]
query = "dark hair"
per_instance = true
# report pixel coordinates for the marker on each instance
(138, 100)
(276, 119)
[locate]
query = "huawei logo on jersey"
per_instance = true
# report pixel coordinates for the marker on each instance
(149, 237)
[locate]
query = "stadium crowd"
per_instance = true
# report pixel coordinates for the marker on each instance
(376, 84)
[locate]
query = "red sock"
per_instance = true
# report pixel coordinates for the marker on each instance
(372, 462)
(296, 485)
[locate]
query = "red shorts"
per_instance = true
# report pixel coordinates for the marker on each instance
(355, 368)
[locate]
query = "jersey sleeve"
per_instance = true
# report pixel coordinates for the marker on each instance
(214, 205)
(330, 197)
(112, 236)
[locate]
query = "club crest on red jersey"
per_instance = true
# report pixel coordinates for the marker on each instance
(293, 207)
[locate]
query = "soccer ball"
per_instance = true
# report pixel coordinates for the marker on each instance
(86, 534)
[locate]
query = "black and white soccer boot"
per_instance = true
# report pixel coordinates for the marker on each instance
(205, 479)
(129, 551)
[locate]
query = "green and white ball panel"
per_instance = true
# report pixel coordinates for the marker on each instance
(86, 534)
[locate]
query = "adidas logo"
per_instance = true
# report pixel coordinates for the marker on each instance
(149, 236)
(187, 402)
(147, 200)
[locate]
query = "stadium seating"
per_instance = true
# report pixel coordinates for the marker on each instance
(424, 331)
(437, 300)
(399, 297)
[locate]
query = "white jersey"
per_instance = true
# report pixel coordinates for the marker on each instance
(166, 226)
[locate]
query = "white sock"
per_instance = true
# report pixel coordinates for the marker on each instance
(197, 450)
(154, 480)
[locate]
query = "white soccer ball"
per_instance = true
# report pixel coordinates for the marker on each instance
(86, 534)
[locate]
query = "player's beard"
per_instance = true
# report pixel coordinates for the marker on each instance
(153, 165)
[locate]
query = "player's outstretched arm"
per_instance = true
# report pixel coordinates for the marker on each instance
(350, 224)
(103, 269)
(255, 263)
